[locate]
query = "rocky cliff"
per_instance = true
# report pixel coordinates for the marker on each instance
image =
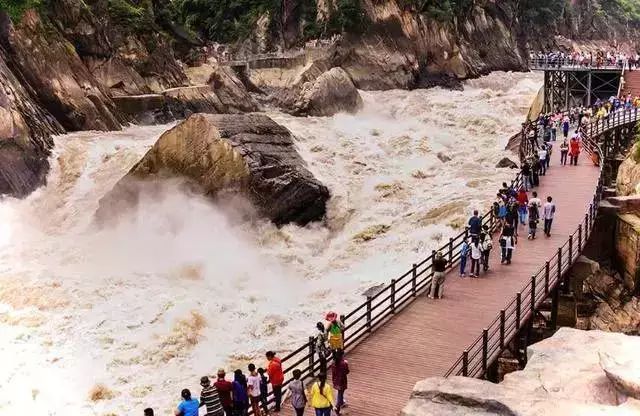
(572, 373)
(628, 179)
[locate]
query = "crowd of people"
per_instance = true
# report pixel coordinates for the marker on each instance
(222, 397)
(598, 59)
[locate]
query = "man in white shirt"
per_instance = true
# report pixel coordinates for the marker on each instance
(542, 155)
(548, 211)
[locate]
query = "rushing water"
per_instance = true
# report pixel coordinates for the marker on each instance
(179, 288)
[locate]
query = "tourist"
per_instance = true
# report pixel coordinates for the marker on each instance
(339, 373)
(321, 346)
(298, 396)
(188, 406)
(476, 256)
(574, 150)
(547, 160)
(475, 224)
(542, 157)
(534, 215)
(464, 253)
(240, 395)
(526, 175)
(335, 332)
(210, 398)
(548, 212)
(225, 388)
(564, 150)
(507, 243)
(276, 378)
(523, 202)
(535, 200)
(512, 215)
(148, 411)
(535, 171)
(487, 246)
(322, 396)
(264, 391)
(253, 383)
(439, 265)
(502, 210)
(565, 126)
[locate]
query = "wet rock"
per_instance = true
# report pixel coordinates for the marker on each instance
(505, 162)
(443, 158)
(628, 179)
(563, 377)
(331, 93)
(57, 75)
(231, 92)
(25, 136)
(226, 155)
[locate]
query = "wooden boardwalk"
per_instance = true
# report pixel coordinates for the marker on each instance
(428, 336)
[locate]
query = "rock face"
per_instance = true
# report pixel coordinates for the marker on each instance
(505, 162)
(25, 136)
(57, 75)
(563, 376)
(247, 154)
(628, 179)
(231, 93)
(331, 93)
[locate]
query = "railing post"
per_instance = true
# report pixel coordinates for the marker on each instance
(414, 279)
(343, 319)
(451, 252)
(546, 278)
(533, 295)
(580, 238)
(485, 350)
(466, 232)
(312, 355)
(570, 249)
(518, 306)
(465, 363)
(393, 296)
(368, 313)
(559, 264)
(502, 325)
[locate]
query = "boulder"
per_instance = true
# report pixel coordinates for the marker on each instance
(443, 158)
(231, 92)
(628, 179)
(57, 75)
(505, 162)
(331, 93)
(246, 154)
(563, 377)
(25, 136)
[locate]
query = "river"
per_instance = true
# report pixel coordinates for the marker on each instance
(181, 287)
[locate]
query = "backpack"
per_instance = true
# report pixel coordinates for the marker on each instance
(488, 244)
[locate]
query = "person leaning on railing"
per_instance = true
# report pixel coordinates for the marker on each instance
(439, 265)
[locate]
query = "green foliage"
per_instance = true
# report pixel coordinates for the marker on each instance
(138, 17)
(541, 13)
(16, 8)
(348, 17)
(625, 10)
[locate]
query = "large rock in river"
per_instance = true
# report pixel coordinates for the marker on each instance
(628, 179)
(332, 92)
(248, 154)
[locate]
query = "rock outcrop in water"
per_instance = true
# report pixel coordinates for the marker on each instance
(221, 155)
(331, 93)
(25, 136)
(564, 376)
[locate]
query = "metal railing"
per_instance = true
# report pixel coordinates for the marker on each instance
(476, 359)
(574, 64)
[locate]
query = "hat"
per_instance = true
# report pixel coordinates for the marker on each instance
(221, 371)
(331, 316)
(204, 381)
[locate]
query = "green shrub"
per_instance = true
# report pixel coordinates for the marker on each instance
(16, 8)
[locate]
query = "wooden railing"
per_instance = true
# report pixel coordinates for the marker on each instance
(476, 359)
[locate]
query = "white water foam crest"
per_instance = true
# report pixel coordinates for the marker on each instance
(179, 287)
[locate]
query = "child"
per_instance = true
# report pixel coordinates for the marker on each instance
(264, 391)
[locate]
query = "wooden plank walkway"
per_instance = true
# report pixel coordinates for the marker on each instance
(428, 336)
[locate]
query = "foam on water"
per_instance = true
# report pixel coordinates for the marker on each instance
(178, 288)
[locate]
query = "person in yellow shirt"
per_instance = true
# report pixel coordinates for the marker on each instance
(322, 396)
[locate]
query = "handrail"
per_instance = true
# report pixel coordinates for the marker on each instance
(571, 64)
(476, 358)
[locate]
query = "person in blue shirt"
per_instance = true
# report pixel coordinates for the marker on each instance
(188, 406)
(464, 254)
(475, 224)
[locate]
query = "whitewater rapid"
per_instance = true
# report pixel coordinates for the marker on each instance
(180, 287)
